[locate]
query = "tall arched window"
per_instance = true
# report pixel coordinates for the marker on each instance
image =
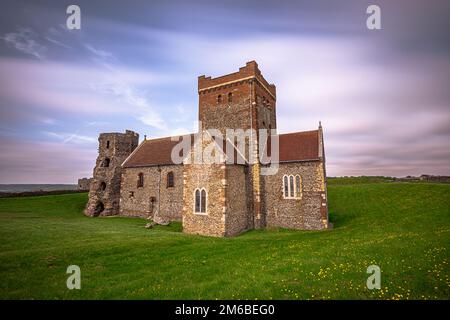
(219, 98)
(292, 187)
(197, 201)
(298, 182)
(170, 180)
(102, 186)
(286, 186)
(203, 201)
(140, 182)
(200, 201)
(230, 97)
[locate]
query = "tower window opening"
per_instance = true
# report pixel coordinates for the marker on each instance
(170, 180)
(140, 182)
(230, 97)
(219, 98)
(106, 162)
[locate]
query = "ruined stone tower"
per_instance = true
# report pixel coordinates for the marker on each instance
(104, 193)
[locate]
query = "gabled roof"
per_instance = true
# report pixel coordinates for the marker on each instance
(153, 152)
(297, 146)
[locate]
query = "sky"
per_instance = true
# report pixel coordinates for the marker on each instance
(382, 95)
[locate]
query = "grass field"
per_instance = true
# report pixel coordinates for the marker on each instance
(402, 227)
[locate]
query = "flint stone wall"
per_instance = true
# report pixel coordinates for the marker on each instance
(307, 213)
(167, 201)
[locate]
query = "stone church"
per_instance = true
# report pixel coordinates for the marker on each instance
(223, 198)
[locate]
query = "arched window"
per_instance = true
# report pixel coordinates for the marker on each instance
(140, 182)
(197, 201)
(170, 180)
(219, 98)
(292, 187)
(230, 97)
(107, 144)
(200, 201)
(203, 201)
(106, 163)
(298, 188)
(286, 186)
(103, 186)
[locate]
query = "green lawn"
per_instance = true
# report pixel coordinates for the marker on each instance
(402, 227)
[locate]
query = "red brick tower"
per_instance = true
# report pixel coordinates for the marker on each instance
(241, 100)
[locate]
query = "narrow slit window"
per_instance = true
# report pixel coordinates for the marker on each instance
(140, 182)
(170, 180)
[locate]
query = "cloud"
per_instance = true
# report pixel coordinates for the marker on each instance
(23, 161)
(58, 43)
(73, 138)
(25, 41)
(382, 97)
(80, 89)
(118, 86)
(102, 57)
(380, 117)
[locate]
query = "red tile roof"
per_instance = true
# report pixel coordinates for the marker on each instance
(153, 152)
(297, 146)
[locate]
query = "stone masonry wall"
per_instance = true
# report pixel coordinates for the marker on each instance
(224, 114)
(212, 178)
(305, 213)
(154, 197)
(237, 199)
(104, 194)
(84, 184)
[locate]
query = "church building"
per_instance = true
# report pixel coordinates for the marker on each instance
(223, 197)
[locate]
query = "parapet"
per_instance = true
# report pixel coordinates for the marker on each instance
(249, 71)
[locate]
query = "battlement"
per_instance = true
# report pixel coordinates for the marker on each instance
(249, 71)
(128, 134)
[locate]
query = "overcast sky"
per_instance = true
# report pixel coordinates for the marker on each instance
(382, 96)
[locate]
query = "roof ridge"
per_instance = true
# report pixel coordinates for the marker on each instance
(170, 137)
(296, 132)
